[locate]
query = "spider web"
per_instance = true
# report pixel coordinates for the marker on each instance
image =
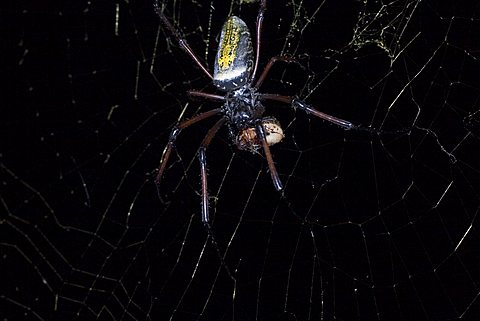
(371, 226)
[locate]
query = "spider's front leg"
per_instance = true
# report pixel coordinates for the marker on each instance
(271, 165)
(173, 137)
(202, 157)
(300, 104)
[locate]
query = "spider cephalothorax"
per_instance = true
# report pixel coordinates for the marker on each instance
(242, 107)
(242, 110)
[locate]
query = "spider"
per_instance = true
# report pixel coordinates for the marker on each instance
(242, 111)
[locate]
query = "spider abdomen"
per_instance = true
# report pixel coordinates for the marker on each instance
(234, 60)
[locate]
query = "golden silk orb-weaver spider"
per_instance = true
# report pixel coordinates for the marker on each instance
(241, 111)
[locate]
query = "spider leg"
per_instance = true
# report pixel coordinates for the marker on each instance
(269, 65)
(173, 137)
(271, 165)
(182, 42)
(261, 13)
(204, 95)
(202, 157)
(300, 104)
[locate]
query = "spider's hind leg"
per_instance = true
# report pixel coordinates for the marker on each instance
(268, 67)
(182, 42)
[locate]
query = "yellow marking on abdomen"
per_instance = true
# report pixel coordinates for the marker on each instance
(228, 49)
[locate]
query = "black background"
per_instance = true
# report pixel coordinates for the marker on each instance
(370, 226)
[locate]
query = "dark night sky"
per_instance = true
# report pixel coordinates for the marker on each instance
(378, 225)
